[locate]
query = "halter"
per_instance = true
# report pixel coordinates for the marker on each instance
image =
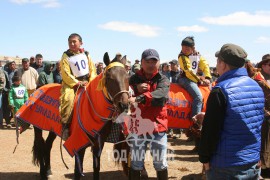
(120, 92)
(103, 80)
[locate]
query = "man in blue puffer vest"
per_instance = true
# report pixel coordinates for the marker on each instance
(231, 134)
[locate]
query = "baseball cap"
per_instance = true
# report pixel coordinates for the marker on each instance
(137, 67)
(174, 61)
(150, 54)
(25, 60)
(118, 54)
(232, 54)
(128, 63)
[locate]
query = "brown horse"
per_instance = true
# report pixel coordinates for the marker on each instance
(115, 90)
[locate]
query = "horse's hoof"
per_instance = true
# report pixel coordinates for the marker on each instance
(49, 172)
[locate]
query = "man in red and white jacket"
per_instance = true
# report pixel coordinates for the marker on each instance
(151, 93)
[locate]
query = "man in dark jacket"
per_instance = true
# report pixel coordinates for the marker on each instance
(151, 90)
(231, 133)
(38, 65)
(57, 78)
(46, 76)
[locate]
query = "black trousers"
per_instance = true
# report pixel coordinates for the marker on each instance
(7, 113)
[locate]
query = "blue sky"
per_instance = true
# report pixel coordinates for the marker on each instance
(29, 27)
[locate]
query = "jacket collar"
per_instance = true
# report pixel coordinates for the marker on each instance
(141, 73)
(233, 73)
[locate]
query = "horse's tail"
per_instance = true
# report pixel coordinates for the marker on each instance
(39, 148)
(120, 149)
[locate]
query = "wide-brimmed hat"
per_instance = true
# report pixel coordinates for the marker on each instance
(264, 60)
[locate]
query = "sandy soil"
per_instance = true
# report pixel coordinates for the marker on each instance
(18, 165)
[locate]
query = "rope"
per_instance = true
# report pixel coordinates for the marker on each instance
(92, 106)
(61, 151)
(17, 130)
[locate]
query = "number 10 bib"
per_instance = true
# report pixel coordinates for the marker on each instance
(79, 65)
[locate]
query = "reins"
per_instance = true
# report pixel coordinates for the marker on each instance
(111, 99)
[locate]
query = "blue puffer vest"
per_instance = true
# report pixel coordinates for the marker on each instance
(240, 138)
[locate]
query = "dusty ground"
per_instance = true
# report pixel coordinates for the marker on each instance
(19, 166)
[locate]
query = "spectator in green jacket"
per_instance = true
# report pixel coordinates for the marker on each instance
(46, 76)
(18, 94)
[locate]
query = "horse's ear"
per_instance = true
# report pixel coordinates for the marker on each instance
(106, 59)
(124, 60)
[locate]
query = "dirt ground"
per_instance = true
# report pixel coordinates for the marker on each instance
(18, 165)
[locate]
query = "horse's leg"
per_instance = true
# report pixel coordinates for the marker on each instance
(39, 152)
(79, 164)
(96, 150)
(49, 141)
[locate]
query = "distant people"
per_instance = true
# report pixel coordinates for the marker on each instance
(28, 75)
(137, 68)
(100, 68)
(2, 86)
(77, 69)
(46, 76)
(32, 61)
(57, 78)
(174, 76)
(7, 112)
(231, 133)
(265, 149)
(166, 70)
(18, 94)
(190, 60)
(215, 74)
(136, 62)
(11, 71)
(39, 66)
(118, 56)
(175, 72)
(128, 67)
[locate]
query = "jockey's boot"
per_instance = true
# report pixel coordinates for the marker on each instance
(162, 175)
(65, 131)
(134, 174)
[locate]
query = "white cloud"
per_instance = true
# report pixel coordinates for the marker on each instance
(263, 40)
(259, 18)
(194, 28)
(133, 28)
(44, 3)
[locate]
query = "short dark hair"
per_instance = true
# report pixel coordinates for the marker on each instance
(39, 56)
(75, 35)
(188, 41)
(16, 78)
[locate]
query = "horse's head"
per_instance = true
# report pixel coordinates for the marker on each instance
(116, 82)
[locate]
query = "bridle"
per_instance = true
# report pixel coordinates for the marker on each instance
(107, 94)
(117, 94)
(105, 90)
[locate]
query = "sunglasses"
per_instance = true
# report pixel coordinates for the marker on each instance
(267, 64)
